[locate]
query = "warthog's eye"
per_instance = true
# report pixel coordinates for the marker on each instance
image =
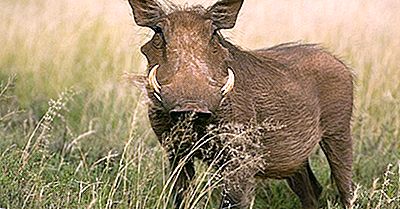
(158, 40)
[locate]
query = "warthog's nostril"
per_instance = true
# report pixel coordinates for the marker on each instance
(197, 116)
(190, 110)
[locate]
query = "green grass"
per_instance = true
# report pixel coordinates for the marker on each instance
(73, 135)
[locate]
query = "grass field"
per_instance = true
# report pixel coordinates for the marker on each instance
(73, 135)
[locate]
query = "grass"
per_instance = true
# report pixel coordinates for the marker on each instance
(73, 135)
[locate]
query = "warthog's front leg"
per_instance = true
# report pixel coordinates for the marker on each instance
(181, 175)
(238, 190)
(306, 186)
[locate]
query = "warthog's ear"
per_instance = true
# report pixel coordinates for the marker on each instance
(224, 13)
(146, 12)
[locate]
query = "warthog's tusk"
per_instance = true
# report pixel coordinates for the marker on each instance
(153, 80)
(229, 84)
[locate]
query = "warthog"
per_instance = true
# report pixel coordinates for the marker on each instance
(291, 97)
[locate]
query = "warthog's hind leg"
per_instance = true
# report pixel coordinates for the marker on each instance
(338, 151)
(306, 187)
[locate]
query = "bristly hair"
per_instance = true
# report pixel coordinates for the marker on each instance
(170, 7)
(252, 58)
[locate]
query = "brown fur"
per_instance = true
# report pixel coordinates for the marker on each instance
(296, 96)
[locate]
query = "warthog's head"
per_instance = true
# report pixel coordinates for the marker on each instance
(188, 66)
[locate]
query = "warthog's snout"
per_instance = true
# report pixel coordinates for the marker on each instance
(190, 109)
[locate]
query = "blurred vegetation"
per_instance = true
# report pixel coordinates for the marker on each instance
(73, 135)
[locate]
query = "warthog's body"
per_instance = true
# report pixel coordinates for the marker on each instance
(299, 96)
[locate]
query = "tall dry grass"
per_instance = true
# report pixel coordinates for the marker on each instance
(92, 146)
